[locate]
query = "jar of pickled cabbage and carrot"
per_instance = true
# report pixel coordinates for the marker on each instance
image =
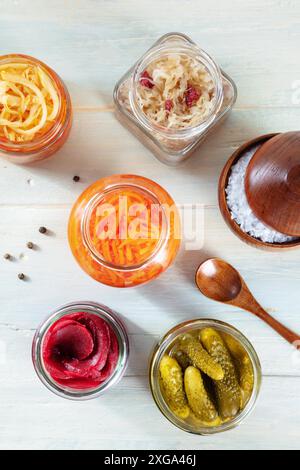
(173, 97)
(124, 230)
(35, 109)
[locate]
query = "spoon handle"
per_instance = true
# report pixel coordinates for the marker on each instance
(288, 334)
(285, 332)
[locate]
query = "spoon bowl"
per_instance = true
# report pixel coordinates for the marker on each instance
(218, 280)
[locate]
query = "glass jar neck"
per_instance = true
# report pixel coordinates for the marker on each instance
(93, 308)
(96, 202)
(61, 121)
(194, 52)
(165, 345)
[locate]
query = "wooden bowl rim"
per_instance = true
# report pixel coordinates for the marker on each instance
(223, 182)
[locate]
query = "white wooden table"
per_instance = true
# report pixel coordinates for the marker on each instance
(91, 43)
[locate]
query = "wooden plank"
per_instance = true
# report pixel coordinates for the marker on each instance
(133, 421)
(93, 151)
(91, 44)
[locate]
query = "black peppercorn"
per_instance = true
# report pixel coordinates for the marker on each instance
(7, 256)
(21, 276)
(76, 178)
(30, 245)
(42, 230)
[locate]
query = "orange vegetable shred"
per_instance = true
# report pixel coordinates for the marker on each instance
(122, 229)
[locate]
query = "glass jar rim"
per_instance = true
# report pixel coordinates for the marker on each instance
(108, 315)
(57, 128)
(85, 224)
(162, 346)
(166, 48)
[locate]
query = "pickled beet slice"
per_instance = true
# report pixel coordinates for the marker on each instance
(112, 359)
(72, 341)
(91, 367)
(77, 383)
(55, 369)
(80, 350)
(66, 338)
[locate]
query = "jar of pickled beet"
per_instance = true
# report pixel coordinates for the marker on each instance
(205, 376)
(173, 97)
(35, 109)
(80, 350)
(124, 230)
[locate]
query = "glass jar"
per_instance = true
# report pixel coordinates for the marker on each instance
(172, 146)
(167, 343)
(43, 144)
(116, 325)
(124, 230)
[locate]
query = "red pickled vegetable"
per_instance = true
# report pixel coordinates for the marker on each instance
(112, 359)
(191, 96)
(146, 80)
(72, 340)
(80, 350)
(169, 105)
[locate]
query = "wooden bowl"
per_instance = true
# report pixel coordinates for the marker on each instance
(223, 183)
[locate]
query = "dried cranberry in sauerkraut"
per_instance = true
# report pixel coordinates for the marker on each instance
(181, 80)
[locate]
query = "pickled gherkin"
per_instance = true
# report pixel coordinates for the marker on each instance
(198, 398)
(228, 391)
(199, 423)
(244, 367)
(172, 386)
(200, 358)
(182, 358)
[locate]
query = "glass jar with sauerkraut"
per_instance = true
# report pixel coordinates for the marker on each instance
(173, 97)
(35, 109)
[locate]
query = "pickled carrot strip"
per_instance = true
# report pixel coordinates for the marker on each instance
(106, 252)
(115, 253)
(133, 220)
(122, 258)
(143, 251)
(128, 253)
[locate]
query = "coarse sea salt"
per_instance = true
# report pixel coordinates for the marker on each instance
(239, 207)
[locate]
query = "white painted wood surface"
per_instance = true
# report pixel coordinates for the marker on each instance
(91, 43)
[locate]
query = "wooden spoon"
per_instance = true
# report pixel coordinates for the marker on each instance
(220, 281)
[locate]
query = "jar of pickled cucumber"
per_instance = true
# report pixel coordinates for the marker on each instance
(205, 376)
(35, 109)
(124, 230)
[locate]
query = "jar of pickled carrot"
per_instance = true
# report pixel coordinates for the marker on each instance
(35, 109)
(124, 230)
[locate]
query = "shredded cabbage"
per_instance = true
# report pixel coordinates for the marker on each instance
(29, 101)
(176, 91)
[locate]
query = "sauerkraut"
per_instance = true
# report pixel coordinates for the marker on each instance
(29, 102)
(176, 91)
